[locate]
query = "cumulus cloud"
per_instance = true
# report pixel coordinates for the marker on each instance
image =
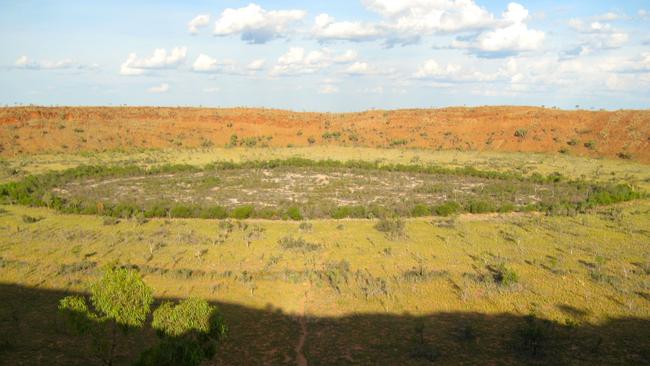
(425, 16)
(161, 59)
(213, 89)
(326, 28)
(297, 61)
(643, 14)
(255, 24)
(407, 21)
(24, 62)
(207, 64)
(598, 35)
(432, 70)
(162, 88)
(510, 37)
(635, 65)
(256, 65)
(361, 68)
(199, 21)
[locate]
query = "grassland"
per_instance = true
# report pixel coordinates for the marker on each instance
(520, 284)
(473, 289)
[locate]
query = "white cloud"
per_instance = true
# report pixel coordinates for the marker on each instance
(361, 68)
(214, 89)
(296, 61)
(328, 89)
(643, 14)
(162, 88)
(598, 35)
(425, 16)
(24, 62)
(256, 25)
(160, 59)
(256, 65)
(347, 56)
(199, 21)
(431, 69)
(635, 65)
(326, 28)
(407, 21)
(204, 63)
(610, 16)
(512, 38)
(207, 64)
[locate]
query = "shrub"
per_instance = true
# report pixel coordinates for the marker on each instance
(214, 212)
(294, 213)
(109, 221)
(305, 226)
(188, 330)
(233, 141)
(249, 141)
(624, 155)
(31, 219)
(242, 212)
(297, 245)
(122, 296)
(331, 135)
(120, 299)
(480, 207)
(398, 142)
(349, 211)
(311, 140)
(504, 275)
(591, 145)
(521, 133)
(420, 210)
(531, 336)
(572, 142)
(180, 211)
(447, 208)
(190, 315)
(393, 228)
(155, 211)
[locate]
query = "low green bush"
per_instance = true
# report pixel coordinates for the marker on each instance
(393, 228)
(420, 210)
(213, 212)
(242, 212)
(181, 211)
(447, 209)
(294, 213)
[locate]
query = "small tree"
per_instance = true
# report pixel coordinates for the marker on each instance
(120, 299)
(189, 333)
(189, 330)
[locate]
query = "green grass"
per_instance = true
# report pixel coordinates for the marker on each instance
(496, 288)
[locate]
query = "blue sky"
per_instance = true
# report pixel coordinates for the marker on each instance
(340, 55)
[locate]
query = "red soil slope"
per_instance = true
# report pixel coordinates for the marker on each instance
(619, 134)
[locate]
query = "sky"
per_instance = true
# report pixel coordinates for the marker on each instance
(336, 55)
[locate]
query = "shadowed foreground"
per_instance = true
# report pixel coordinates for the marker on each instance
(32, 333)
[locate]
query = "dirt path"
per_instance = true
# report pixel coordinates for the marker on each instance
(301, 360)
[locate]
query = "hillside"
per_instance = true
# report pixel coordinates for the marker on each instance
(619, 134)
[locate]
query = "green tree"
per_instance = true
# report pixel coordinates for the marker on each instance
(189, 333)
(120, 300)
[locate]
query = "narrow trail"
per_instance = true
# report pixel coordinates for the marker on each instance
(301, 360)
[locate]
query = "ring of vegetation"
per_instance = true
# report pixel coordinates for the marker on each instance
(300, 188)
